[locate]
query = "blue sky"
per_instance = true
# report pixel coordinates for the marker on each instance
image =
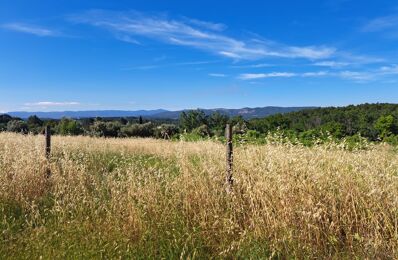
(83, 55)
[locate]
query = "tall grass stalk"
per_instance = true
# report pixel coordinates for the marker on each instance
(146, 198)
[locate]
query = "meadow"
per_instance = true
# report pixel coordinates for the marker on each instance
(146, 198)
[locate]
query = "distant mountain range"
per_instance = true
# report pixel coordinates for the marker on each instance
(246, 113)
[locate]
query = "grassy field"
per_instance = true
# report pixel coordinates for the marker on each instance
(146, 198)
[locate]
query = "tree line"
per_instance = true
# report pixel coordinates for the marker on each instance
(374, 122)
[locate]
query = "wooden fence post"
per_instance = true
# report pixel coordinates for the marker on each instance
(48, 148)
(229, 158)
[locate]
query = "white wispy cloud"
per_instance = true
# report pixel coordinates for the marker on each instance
(206, 25)
(389, 70)
(250, 76)
(381, 73)
(196, 34)
(30, 29)
(51, 104)
(311, 52)
(315, 74)
(374, 74)
(360, 76)
(126, 38)
(384, 73)
(346, 59)
(357, 76)
(218, 75)
(259, 65)
(331, 64)
(382, 23)
(165, 65)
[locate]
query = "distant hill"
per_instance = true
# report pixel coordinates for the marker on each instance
(86, 114)
(247, 113)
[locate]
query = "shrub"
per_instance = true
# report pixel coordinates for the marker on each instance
(393, 140)
(69, 126)
(355, 142)
(240, 127)
(385, 126)
(203, 131)
(105, 129)
(17, 126)
(166, 131)
(138, 130)
(190, 137)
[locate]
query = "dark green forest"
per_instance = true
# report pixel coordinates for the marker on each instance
(373, 122)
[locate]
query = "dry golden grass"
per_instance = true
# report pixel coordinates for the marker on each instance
(140, 198)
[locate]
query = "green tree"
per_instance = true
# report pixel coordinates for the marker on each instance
(123, 121)
(333, 128)
(105, 129)
(34, 124)
(203, 131)
(385, 126)
(138, 130)
(339, 121)
(18, 126)
(217, 122)
(4, 119)
(192, 119)
(166, 131)
(34, 121)
(69, 126)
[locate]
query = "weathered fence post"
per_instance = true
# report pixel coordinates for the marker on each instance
(229, 158)
(48, 148)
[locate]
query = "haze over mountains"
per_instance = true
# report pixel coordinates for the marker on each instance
(246, 113)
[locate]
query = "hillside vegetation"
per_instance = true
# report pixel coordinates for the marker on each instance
(370, 122)
(147, 198)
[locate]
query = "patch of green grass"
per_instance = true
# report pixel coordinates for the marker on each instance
(12, 219)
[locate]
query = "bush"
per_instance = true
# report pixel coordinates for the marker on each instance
(105, 129)
(190, 137)
(17, 126)
(309, 137)
(138, 130)
(69, 126)
(166, 131)
(203, 131)
(385, 126)
(239, 127)
(393, 140)
(355, 142)
(252, 134)
(3, 126)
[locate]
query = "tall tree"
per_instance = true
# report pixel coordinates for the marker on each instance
(69, 126)
(34, 121)
(192, 119)
(385, 125)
